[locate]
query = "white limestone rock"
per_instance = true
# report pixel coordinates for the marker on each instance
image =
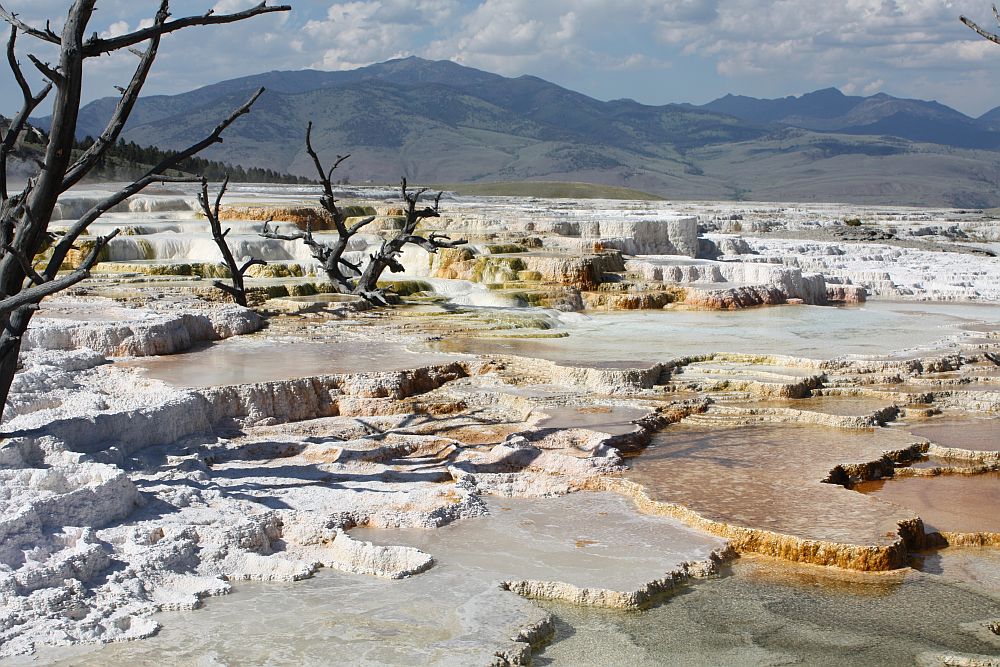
(106, 327)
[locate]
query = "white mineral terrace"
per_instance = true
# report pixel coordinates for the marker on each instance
(600, 433)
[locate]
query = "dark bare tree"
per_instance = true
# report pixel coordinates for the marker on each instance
(329, 255)
(236, 271)
(25, 216)
(387, 256)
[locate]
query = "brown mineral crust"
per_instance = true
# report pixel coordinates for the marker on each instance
(952, 539)
(733, 298)
(300, 216)
(866, 558)
(872, 470)
(646, 426)
(851, 294)
(632, 300)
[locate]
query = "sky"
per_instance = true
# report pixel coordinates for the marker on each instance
(653, 52)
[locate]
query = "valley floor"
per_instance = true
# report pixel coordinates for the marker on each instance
(613, 432)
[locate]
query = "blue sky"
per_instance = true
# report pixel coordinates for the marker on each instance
(653, 52)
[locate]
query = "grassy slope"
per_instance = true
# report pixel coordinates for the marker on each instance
(548, 190)
(529, 131)
(813, 167)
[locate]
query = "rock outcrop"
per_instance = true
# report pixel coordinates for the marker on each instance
(115, 331)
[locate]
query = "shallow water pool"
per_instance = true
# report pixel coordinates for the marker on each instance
(642, 338)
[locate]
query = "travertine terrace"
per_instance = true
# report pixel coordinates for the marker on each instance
(594, 403)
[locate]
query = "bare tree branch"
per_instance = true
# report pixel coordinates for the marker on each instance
(116, 124)
(24, 218)
(228, 289)
(31, 229)
(214, 138)
(237, 290)
(388, 254)
(33, 295)
(154, 175)
(45, 35)
(251, 262)
(18, 122)
(270, 233)
(80, 226)
(356, 268)
(26, 265)
(434, 242)
(356, 227)
(329, 255)
(12, 210)
(96, 46)
(980, 31)
(327, 200)
(47, 71)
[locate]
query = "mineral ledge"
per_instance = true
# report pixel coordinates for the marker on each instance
(128, 488)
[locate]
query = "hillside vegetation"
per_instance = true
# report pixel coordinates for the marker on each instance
(440, 122)
(129, 161)
(548, 190)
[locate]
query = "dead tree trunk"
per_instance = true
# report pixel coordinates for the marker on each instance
(236, 271)
(25, 216)
(388, 254)
(329, 255)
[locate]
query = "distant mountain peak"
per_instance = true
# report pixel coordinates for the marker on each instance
(823, 92)
(830, 110)
(442, 121)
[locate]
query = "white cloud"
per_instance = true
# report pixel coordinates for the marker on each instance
(115, 29)
(360, 33)
(518, 36)
(823, 40)
(860, 45)
(637, 61)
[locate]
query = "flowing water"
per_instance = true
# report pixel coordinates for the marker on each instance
(249, 359)
(829, 405)
(953, 503)
(453, 614)
(975, 434)
(612, 420)
(770, 477)
(815, 332)
(767, 613)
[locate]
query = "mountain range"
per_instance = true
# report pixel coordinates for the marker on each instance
(438, 121)
(829, 110)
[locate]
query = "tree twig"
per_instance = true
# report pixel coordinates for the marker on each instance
(35, 294)
(211, 210)
(26, 265)
(123, 109)
(18, 122)
(45, 35)
(47, 71)
(980, 31)
(65, 244)
(96, 46)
